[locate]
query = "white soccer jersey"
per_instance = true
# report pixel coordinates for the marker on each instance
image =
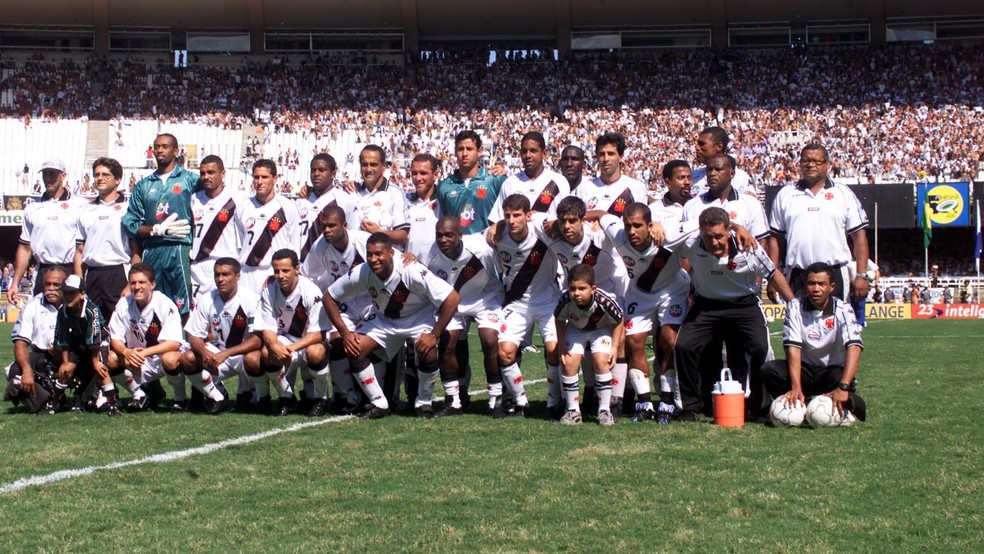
(597, 251)
(230, 322)
(666, 212)
(101, 234)
(218, 231)
(612, 198)
(310, 207)
(603, 311)
(36, 323)
(296, 314)
(648, 270)
(822, 336)
(387, 197)
(820, 223)
(268, 228)
(729, 278)
(741, 182)
(529, 269)
(544, 192)
(742, 209)
(50, 228)
(471, 273)
(423, 215)
(325, 264)
(409, 289)
(158, 321)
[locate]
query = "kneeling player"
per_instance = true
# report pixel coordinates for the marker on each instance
(823, 348)
(403, 297)
(587, 315)
(293, 331)
(145, 335)
(220, 332)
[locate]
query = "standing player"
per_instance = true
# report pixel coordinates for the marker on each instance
(220, 332)
(383, 206)
(470, 192)
(145, 335)
(543, 187)
(571, 166)
(742, 209)
(158, 216)
(403, 297)
(468, 264)
(293, 332)
(587, 316)
(529, 271)
(423, 210)
(677, 178)
(49, 229)
(322, 194)
(103, 248)
(611, 191)
(270, 224)
(218, 232)
(714, 141)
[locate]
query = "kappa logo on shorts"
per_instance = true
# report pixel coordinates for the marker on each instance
(676, 310)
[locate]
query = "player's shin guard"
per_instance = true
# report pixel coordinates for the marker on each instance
(641, 385)
(341, 380)
(125, 379)
(362, 372)
(603, 387)
(554, 393)
(620, 373)
(570, 387)
(278, 379)
(453, 391)
(426, 377)
(203, 381)
(669, 388)
(512, 378)
(320, 374)
(261, 384)
(177, 382)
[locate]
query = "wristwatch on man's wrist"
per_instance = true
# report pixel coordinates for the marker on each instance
(844, 386)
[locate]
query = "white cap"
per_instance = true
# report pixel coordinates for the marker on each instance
(53, 163)
(72, 282)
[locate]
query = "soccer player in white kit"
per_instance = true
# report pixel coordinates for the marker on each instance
(335, 254)
(217, 232)
(270, 224)
(321, 194)
(221, 334)
(404, 297)
(611, 191)
(382, 205)
(587, 316)
(293, 332)
(468, 264)
(145, 335)
(529, 272)
(543, 187)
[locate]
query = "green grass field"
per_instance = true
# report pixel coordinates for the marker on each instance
(908, 479)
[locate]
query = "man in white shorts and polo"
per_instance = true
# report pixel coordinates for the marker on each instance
(404, 297)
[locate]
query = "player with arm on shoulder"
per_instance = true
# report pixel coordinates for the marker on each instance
(221, 334)
(587, 316)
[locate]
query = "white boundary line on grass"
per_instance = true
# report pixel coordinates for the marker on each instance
(174, 455)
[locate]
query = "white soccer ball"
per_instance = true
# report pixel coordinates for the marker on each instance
(782, 415)
(820, 412)
(378, 215)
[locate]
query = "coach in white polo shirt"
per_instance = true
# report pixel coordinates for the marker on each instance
(48, 232)
(814, 217)
(104, 250)
(823, 347)
(725, 306)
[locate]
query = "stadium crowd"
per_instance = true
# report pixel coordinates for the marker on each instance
(902, 112)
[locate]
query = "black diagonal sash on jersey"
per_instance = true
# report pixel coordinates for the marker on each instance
(273, 226)
(620, 202)
(215, 230)
(649, 276)
(237, 331)
(546, 197)
(394, 307)
(526, 273)
(315, 231)
(591, 255)
(153, 331)
(471, 269)
(594, 318)
(299, 322)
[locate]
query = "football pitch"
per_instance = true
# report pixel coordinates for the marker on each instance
(910, 478)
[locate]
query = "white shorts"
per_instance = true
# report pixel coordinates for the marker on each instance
(599, 339)
(231, 367)
(354, 311)
(151, 370)
(667, 305)
(298, 359)
(202, 277)
(254, 278)
(515, 321)
(392, 335)
(484, 318)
